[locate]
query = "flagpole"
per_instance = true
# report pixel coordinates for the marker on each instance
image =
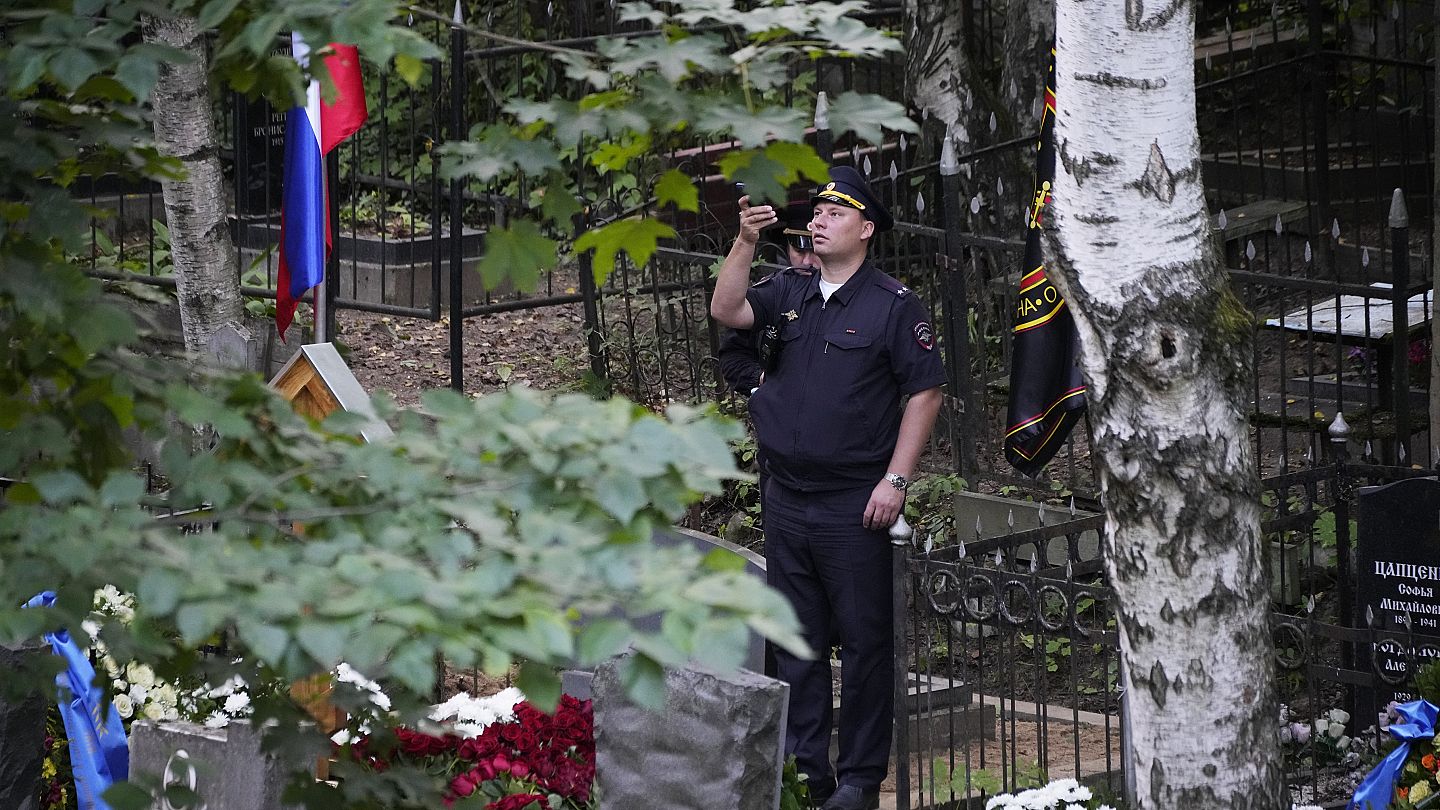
(330, 287)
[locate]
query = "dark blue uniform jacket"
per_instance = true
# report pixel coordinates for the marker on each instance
(828, 416)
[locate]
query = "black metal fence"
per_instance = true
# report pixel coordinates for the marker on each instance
(1311, 115)
(1011, 671)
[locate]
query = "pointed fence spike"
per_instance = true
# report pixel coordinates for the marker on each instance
(1010, 519)
(1369, 616)
(1335, 228)
(1400, 453)
(1364, 257)
(994, 123)
(929, 542)
(919, 203)
(949, 166)
(868, 169)
(1250, 249)
(1279, 226)
(1034, 562)
(999, 187)
(904, 144)
(1072, 506)
(975, 204)
(1208, 65)
(1309, 254)
(1069, 569)
(894, 171)
(960, 550)
(1310, 604)
(822, 112)
(1041, 513)
(459, 16)
(1228, 29)
(1369, 451)
(1399, 213)
(999, 558)
(1222, 221)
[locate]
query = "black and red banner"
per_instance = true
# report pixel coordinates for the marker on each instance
(1047, 394)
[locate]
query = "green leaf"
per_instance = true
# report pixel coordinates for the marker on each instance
(60, 487)
(723, 560)
(324, 642)
(675, 187)
(644, 681)
(72, 66)
(138, 72)
(517, 254)
(557, 204)
(199, 620)
(541, 686)
(159, 592)
(410, 68)
(266, 640)
(601, 639)
(637, 237)
(868, 116)
(215, 12)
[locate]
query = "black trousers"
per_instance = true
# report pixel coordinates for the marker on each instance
(837, 575)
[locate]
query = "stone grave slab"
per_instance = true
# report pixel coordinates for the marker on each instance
(718, 744)
(225, 766)
(22, 735)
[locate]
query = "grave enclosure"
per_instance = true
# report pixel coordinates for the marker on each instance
(1310, 121)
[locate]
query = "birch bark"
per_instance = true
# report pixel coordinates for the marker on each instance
(207, 278)
(1165, 353)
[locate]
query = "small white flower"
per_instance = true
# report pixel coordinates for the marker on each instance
(1336, 731)
(154, 711)
(1321, 725)
(217, 720)
(341, 737)
(1339, 716)
(91, 628)
(124, 706)
(138, 693)
(1343, 743)
(999, 800)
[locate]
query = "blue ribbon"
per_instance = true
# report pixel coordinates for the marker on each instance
(99, 756)
(1417, 723)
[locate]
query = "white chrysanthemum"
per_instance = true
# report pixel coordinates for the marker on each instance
(124, 706)
(999, 800)
(217, 720)
(91, 628)
(165, 694)
(237, 703)
(469, 716)
(345, 673)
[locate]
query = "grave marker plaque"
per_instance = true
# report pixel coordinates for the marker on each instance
(1398, 567)
(259, 153)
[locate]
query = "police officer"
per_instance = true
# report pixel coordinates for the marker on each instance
(738, 355)
(838, 451)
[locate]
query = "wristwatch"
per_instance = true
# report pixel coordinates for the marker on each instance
(897, 480)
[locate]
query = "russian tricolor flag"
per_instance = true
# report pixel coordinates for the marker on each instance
(312, 131)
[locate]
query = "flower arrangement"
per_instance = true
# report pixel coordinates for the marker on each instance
(1319, 743)
(515, 759)
(1062, 794)
(138, 692)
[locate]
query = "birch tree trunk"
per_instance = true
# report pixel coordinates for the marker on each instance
(1165, 352)
(206, 267)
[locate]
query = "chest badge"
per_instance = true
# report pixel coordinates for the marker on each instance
(791, 315)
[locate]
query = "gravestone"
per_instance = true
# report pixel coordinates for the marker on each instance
(1398, 567)
(225, 766)
(259, 131)
(233, 347)
(22, 735)
(717, 745)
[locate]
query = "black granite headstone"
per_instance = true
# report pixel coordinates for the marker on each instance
(259, 154)
(1398, 568)
(22, 736)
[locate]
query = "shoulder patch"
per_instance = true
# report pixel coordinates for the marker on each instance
(891, 285)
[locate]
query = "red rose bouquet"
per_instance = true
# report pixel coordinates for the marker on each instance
(535, 761)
